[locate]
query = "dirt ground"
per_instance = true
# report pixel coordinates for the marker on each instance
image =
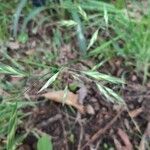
(110, 126)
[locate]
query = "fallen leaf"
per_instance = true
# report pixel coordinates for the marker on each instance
(71, 99)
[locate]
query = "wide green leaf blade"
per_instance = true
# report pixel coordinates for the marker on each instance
(44, 143)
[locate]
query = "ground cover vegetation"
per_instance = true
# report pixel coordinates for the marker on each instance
(75, 74)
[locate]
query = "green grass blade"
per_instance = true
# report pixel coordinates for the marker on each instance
(17, 16)
(117, 98)
(98, 50)
(110, 95)
(83, 13)
(49, 82)
(14, 62)
(30, 16)
(12, 129)
(105, 93)
(106, 17)
(79, 28)
(93, 39)
(100, 76)
(96, 5)
(5, 69)
(68, 23)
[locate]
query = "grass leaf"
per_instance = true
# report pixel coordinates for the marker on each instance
(49, 82)
(5, 69)
(100, 76)
(98, 50)
(93, 39)
(110, 94)
(83, 13)
(79, 28)
(114, 95)
(12, 129)
(106, 16)
(105, 93)
(31, 16)
(17, 15)
(68, 23)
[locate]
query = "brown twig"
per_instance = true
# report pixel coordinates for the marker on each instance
(81, 135)
(64, 134)
(145, 137)
(134, 113)
(50, 120)
(103, 130)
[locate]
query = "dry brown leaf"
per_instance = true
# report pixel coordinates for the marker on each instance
(71, 99)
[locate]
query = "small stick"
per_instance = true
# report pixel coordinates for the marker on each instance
(50, 120)
(103, 130)
(81, 136)
(145, 137)
(136, 112)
